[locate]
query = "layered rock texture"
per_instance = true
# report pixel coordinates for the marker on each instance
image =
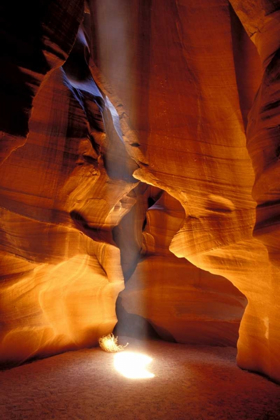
(181, 302)
(61, 271)
(147, 158)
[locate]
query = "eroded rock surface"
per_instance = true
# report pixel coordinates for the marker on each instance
(164, 99)
(62, 192)
(181, 302)
(195, 75)
(33, 42)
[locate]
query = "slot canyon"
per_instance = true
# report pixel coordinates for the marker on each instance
(140, 196)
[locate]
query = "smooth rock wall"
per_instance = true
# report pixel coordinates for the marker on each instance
(181, 302)
(62, 192)
(194, 75)
(164, 100)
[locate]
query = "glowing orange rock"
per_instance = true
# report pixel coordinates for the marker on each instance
(188, 102)
(61, 195)
(186, 75)
(181, 302)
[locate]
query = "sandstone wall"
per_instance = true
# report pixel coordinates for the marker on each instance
(195, 73)
(181, 302)
(163, 101)
(63, 189)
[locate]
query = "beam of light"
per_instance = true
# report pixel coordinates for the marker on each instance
(133, 365)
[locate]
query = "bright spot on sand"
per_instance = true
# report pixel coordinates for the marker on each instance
(133, 365)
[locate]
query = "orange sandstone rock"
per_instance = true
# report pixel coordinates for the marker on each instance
(61, 195)
(181, 302)
(182, 79)
(195, 74)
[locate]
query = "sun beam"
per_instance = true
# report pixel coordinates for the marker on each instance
(133, 365)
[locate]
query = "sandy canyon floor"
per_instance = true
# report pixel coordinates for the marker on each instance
(190, 382)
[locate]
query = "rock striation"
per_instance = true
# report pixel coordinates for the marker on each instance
(62, 192)
(147, 158)
(33, 43)
(188, 102)
(181, 302)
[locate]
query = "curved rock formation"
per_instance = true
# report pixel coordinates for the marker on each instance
(181, 302)
(262, 24)
(61, 194)
(163, 101)
(34, 42)
(188, 102)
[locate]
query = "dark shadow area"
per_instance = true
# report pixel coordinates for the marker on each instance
(247, 65)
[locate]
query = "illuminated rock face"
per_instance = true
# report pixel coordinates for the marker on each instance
(181, 302)
(61, 194)
(182, 79)
(195, 73)
(262, 24)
